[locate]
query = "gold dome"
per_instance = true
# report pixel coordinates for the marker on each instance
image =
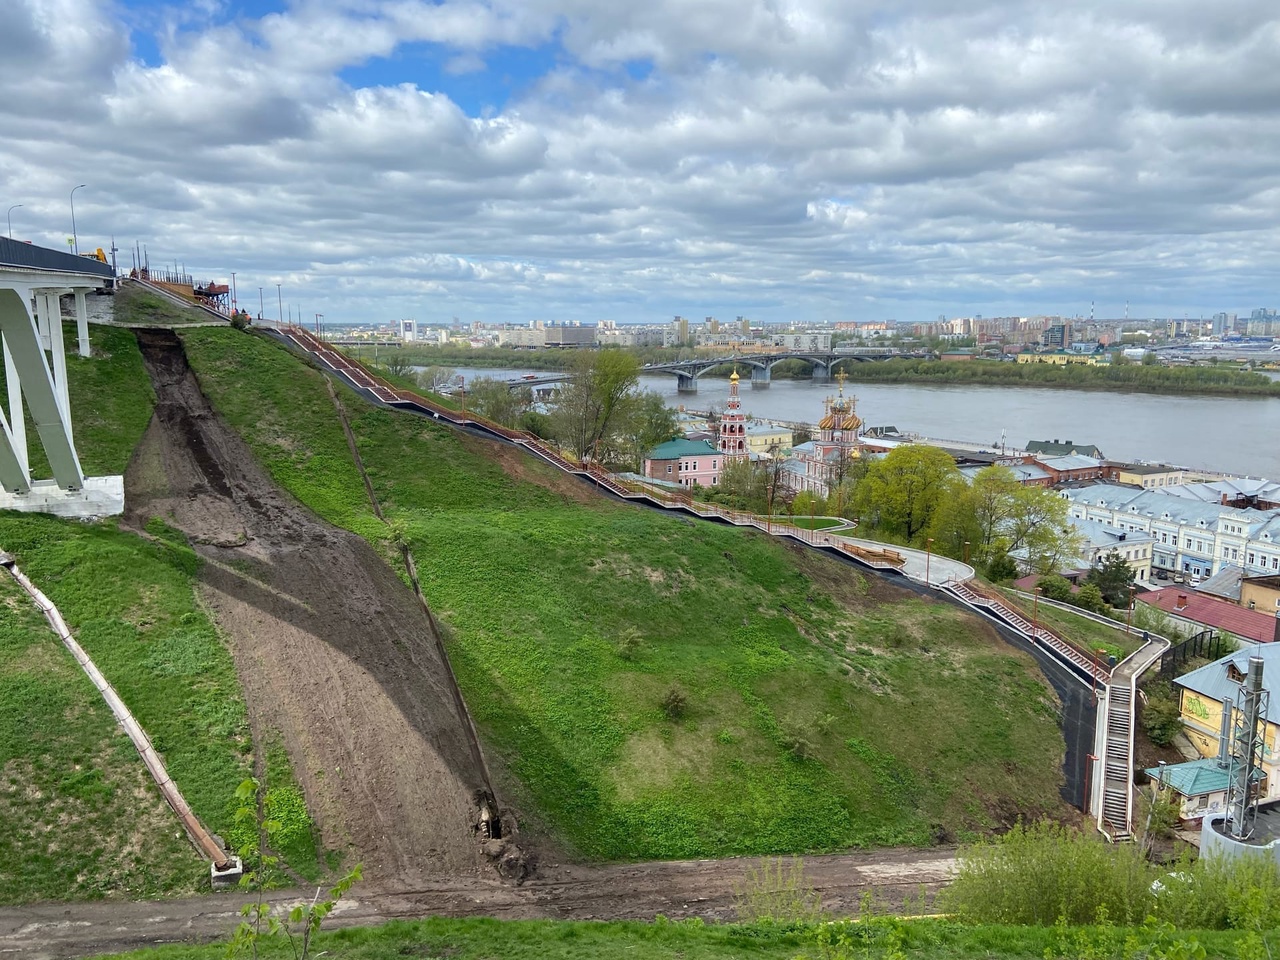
(733, 377)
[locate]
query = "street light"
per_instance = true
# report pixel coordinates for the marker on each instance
(233, 291)
(1035, 612)
(259, 303)
(928, 555)
(10, 219)
(75, 240)
(279, 304)
(966, 551)
(1128, 620)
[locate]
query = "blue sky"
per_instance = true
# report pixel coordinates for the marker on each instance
(563, 159)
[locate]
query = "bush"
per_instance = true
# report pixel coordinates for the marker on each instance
(1161, 717)
(777, 891)
(675, 703)
(1045, 873)
(1090, 598)
(1056, 588)
(1002, 568)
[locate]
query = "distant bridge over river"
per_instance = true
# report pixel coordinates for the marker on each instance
(761, 366)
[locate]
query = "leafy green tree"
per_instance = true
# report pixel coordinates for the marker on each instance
(1056, 588)
(1090, 598)
(807, 503)
(436, 379)
(902, 492)
(593, 400)
(956, 521)
(1113, 577)
(1001, 568)
(496, 401)
(647, 422)
(994, 495)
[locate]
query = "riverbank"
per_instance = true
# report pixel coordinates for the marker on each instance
(1218, 381)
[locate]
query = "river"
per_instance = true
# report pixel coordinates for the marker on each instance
(1231, 434)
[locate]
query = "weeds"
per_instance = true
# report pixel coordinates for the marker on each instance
(777, 891)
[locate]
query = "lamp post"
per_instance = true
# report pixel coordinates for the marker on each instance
(966, 551)
(259, 303)
(928, 555)
(1035, 611)
(1128, 619)
(233, 291)
(75, 240)
(462, 386)
(279, 304)
(10, 218)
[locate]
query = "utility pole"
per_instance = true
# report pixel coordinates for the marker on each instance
(280, 304)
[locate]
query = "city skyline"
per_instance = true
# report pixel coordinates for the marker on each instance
(504, 161)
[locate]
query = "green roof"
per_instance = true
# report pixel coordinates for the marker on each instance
(1195, 778)
(675, 449)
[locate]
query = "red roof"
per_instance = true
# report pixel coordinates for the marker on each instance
(1219, 614)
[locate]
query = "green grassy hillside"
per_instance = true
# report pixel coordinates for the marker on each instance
(82, 818)
(654, 687)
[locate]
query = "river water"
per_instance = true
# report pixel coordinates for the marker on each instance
(1231, 434)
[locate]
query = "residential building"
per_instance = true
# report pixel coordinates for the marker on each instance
(1064, 448)
(1149, 476)
(1194, 612)
(570, 335)
(1074, 468)
(1261, 593)
(1061, 357)
(1101, 540)
(1193, 538)
(1207, 697)
(765, 437)
(522, 337)
(817, 342)
(686, 462)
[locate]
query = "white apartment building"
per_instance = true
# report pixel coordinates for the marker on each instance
(1189, 536)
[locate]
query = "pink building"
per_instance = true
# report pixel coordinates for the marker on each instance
(685, 462)
(732, 431)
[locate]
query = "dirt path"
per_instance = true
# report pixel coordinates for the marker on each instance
(701, 888)
(332, 649)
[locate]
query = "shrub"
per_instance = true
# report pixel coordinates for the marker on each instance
(1161, 717)
(777, 891)
(675, 703)
(1044, 873)
(1056, 588)
(1002, 568)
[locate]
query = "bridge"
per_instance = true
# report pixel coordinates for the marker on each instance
(760, 364)
(32, 281)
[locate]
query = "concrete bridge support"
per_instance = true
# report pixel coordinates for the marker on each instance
(686, 383)
(821, 373)
(761, 377)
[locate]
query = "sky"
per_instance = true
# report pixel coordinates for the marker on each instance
(785, 160)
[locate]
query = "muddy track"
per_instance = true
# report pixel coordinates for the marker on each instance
(699, 888)
(333, 651)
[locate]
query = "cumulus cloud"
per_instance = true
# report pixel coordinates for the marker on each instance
(785, 159)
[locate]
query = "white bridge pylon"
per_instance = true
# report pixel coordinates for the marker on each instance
(35, 373)
(25, 338)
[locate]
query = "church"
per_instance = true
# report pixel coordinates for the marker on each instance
(823, 462)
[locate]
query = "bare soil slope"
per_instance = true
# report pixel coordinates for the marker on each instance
(333, 650)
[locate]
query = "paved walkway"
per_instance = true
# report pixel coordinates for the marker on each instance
(920, 565)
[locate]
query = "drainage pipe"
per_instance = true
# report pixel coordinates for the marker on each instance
(199, 836)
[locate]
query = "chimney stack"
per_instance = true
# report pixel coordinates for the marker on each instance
(1182, 602)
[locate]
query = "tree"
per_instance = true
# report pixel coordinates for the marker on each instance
(303, 922)
(647, 422)
(593, 399)
(994, 495)
(956, 520)
(496, 401)
(1056, 588)
(1001, 567)
(1090, 598)
(807, 503)
(398, 364)
(901, 492)
(436, 379)
(1113, 577)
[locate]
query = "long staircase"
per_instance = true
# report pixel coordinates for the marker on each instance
(975, 595)
(1116, 817)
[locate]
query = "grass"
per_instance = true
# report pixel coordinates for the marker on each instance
(817, 717)
(139, 307)
(111, 402)
(1086, 633)
(82, 818)
(132, 606)
(920, 939)
(811, 523)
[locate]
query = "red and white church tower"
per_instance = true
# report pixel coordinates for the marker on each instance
(732, 438)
